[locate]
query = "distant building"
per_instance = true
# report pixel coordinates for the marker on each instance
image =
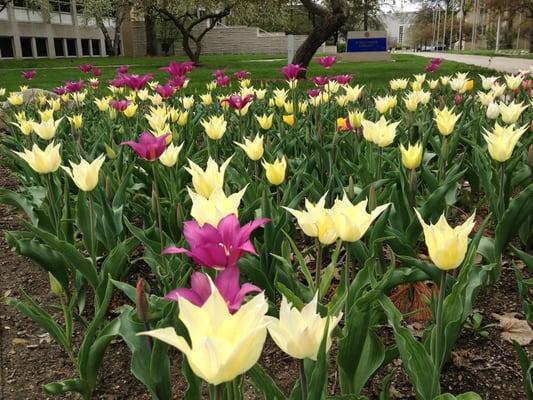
(26, 33)
(397, 24)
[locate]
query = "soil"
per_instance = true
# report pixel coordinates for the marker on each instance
(29, 359)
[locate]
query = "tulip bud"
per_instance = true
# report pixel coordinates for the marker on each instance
(111, 154)
(179, 215)
(154, 200)
(458, 99)
(351, 189)
(141, 302)
(372, 200)
(493, 111)
(55, 286)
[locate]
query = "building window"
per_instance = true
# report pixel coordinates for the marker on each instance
(400, 34)
(6, 47)
(60, 6)
(25, 44)
(42, 47)
(85, 48)
(71, 48)
(96, 47)
(20, 3)
(58, 46)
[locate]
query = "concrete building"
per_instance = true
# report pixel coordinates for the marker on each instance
(397, 24)
(25, 33)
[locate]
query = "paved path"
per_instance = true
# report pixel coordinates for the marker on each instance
(503, 64)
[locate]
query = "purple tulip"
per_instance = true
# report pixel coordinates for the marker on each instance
(436, 60)
(222, 81)
(178, 82)
(313, 92)
(342, 79)
(73, 87)
(149, 147)
(86, 68)
(237, 102)
(136, 82)
(165, 91)
(291, 71)
(240, 75)
(119, 105)
(219, 247)
(178, 69)
(218, 73)
(60, 90)
(327, 62)
(117, 82)
(97, 72)
(227, 282)
(28, 75)
(320, 80)
(123, 69)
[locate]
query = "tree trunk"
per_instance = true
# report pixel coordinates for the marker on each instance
(365, 16)
(149, 26)
(530, 40)
(194, 56)
(319, 34)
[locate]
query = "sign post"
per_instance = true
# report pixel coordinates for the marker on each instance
(366, 46)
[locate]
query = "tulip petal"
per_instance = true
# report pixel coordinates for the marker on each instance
(187, 294)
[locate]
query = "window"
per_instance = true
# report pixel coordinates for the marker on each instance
(71, 48)
(42, 47)
(20, 3)
(60, 6)
(6, 47)
(58, 46)
(400, 34)
(96, 47)
(85, 48)
(25, 44)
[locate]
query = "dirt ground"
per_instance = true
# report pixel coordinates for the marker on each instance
(29, 359)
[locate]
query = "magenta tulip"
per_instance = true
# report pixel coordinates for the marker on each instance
(72, 87)
(60, 90)
(342, 79)
(165, 91)
(291, 71)
(149, 147)
(28, 75)
(227, 282)
(222, 80)
(178, 69)
(240, 75)
(86, 68)
(218, 73)
(117, 82)
(137, 82)
(219, 247)
(327, 62)
(237, 102)
(97, 72)
(123, 69)
(320, 80)
(119, 105)
(313, 92)
(177, 82)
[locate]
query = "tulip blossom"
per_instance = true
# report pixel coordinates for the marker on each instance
(253, 148)
(291, 71)
(412, 156)
(316, 221)
(397, 84)
(313, 93)
(445, 120)
(73, 87)
(76, 121)
(446, 245)
(237, 102)
(176, 69)
(241, 75)
(205, 182)
(227, 282)
(320, 80)
(276, 171)
(221, 246)
(355, 119)
(327, 62)
(300, 333)
(215, 126)
(119, 105)
(265, 121)
(84, 174)
(60, 90)
(381, 133)
(136, 82)
(169, 157)
(513, 81)
(511, 112)
(149, 147)
(117, 82)
(289, 119)
(342, 79)
(217, 73)
(165, 91)
(42, 161)
(222, 81)
(46, 129)
(25, 126)
(211, 210)
(222, 345)
(29, 75)
(502, 141)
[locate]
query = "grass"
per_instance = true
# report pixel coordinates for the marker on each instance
(501, 53)
(51, 73)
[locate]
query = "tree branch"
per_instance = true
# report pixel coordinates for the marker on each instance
(315, 8)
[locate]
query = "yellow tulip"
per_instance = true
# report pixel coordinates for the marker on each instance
(245, 83)
(445, 80)
(265, 121)
(55, 104)
(2, 92)
(353, 93)
(41, 100)
(76, 121)
(65, 98)
(488, 81)
(433, 83)
(300, 333)
(169, 158)
(46, 115)
(342, 100)
(485, 98)
(42, 161)
(316, 221)
(511, 112)
(341, 124)
(293, 83)
(412, 156)
(15, 99)
(332, 87)
(156, 120)
(222, 345)
(253, 148)
(46, 130)
(188, 102)
(79, 97)
(206, 99)
(130, 110)
(445, 120)
(397, 84)
(143, 94)
(205, 182)
(502, 141)
(211, 86)
(156, 99)
(217, 206)
(102, 104)
(215, 126)
(289, 119)
(302, 106)
(288, 107)
(514, 81)
(469, 85)
(84, 174)
(411, 101)
(356, 118)
(384, 104)
(279, 96)
(416, 86)
(420, 78)
(446, 245)
(352, 221)
(24, 126)
(381, 133)
(183, 118)
(276, 171)
(260, 94)
(498, 90)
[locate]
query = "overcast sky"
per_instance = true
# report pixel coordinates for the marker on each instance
(399, 5)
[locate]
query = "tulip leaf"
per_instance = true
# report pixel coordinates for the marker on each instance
(84, 222)
(264, 382)
(317, 383)
(301, 262)
(527, 369)
(97, 350)
(117, 259)
(463, 396)
(19, 201)
(69, 385)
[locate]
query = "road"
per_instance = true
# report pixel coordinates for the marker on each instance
(502, 64)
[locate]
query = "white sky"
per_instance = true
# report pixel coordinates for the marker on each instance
(399, 5)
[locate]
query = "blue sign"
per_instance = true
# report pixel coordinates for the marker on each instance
(357, 45)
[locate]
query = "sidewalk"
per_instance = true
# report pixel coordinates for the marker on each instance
(502, 64)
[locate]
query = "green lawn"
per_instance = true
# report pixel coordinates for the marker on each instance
(501, 53)
(51, 73)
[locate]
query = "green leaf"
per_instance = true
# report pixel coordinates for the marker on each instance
(69, 385)
(264, 382)
(97, 350)
(319, 378)
(117, 259)
(22, 203)
(527, 369)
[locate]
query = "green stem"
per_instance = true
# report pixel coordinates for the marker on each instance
(217, 392)
(318, 264)
(444, 159)
(93, 229)
(412, 188)
(158, 206)
(347, 268)
(53, 204)
(502, 191)
(303, 379)
(439, 351)
(68, 331)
